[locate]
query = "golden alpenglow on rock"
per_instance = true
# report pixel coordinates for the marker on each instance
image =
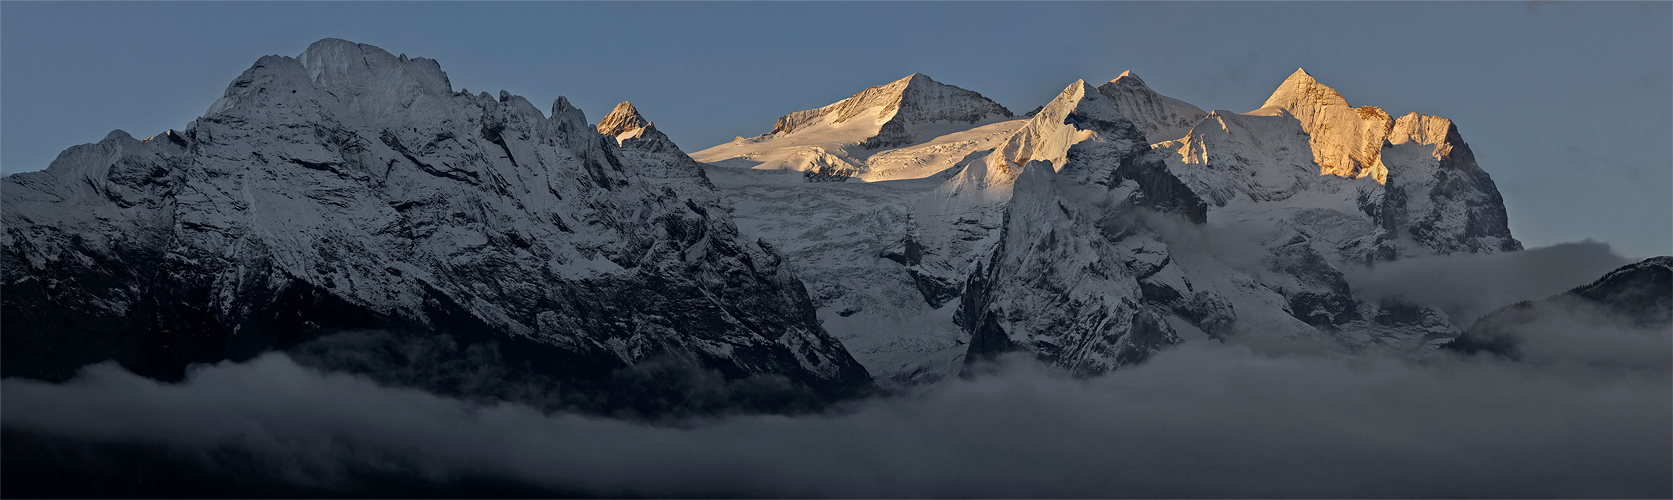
(1346, 141)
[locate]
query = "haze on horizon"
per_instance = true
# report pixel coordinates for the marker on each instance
(1567, 106)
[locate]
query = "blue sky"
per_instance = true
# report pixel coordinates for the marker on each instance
(1569, 106)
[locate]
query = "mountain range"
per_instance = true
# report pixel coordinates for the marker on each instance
(892, 238)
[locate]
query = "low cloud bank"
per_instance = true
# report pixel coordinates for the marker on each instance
(1201, 420)
(1469, 286)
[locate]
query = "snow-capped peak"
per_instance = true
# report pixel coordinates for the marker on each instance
(334, 62)
(1160, 117)
(906, 129)
(1347, 141)
(1049, 134)
(1129, 78)
(1126, 81)
(632, 131)
(1078, 114)
(1078, 103)
(623, 121)
(1300, 88)
(1079, 118)
(913, 100)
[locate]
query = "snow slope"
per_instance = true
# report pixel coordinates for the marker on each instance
(905, 129)
(1160, 117)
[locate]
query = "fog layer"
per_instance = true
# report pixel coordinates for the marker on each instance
(1201, 420)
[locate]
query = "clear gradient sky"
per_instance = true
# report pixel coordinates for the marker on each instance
(1569, 106)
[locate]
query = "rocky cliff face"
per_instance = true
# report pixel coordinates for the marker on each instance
(351, 188)
(1055, 279)
(1437, 195)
